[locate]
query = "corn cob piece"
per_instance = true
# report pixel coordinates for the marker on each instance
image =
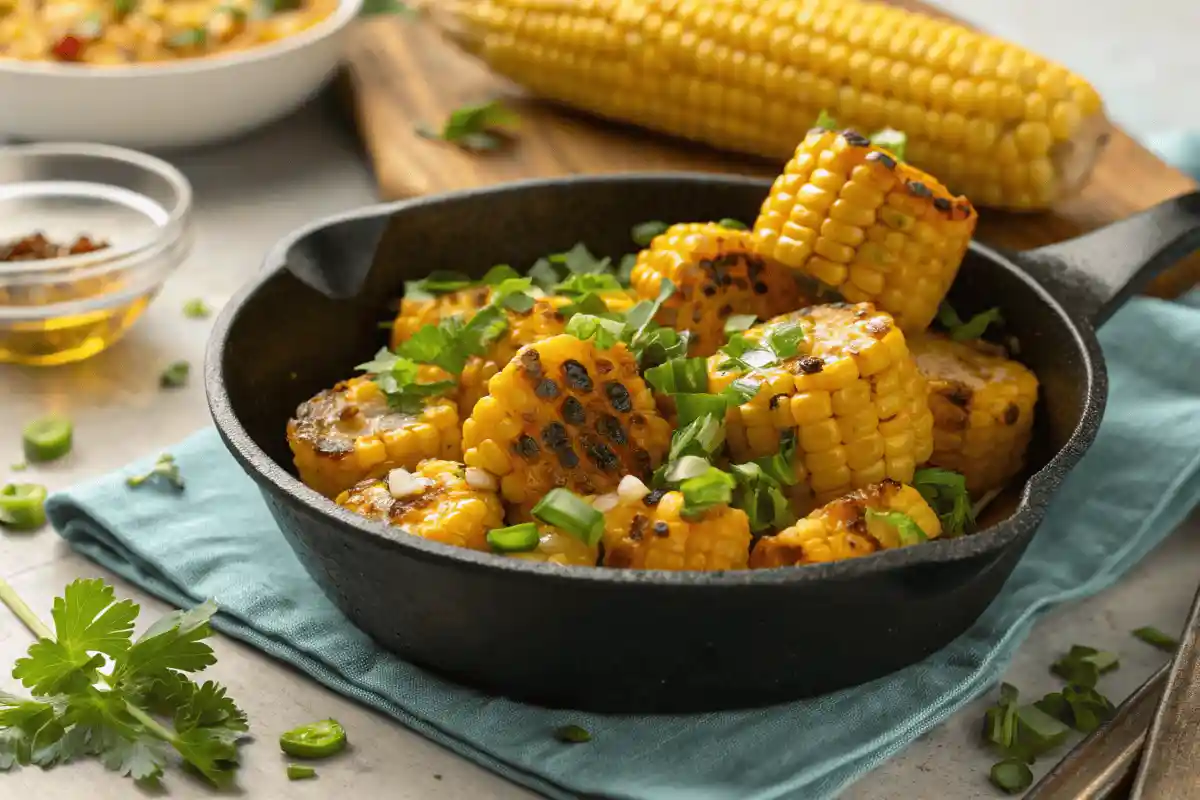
(556, 547)
(983, 407)
(846, 528)
(998, 123)
(540, 322)
(849, 215)
(716, 274)
(348, 433)
(564, 413)
(649, 533)
(435, 501)
(852, 397)
(416, 313)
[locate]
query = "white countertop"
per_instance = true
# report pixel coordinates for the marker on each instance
(250, 193)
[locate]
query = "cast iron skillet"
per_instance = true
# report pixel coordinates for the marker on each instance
(615, 640)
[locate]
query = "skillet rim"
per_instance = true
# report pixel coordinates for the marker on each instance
(282, 485)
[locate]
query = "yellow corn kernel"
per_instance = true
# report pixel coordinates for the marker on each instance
(657, 536)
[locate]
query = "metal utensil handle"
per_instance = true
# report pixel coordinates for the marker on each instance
(1170, 767)
(1101, 767)
(1094, 274)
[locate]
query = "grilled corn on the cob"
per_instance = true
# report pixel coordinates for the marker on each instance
(716, 274)
(854, 525)
(434, 501)
(349, 433)
(852, 396)
(416, 313)
(982, 407)
(565, 413)
(997, 122)
(556, 547)
(851, 216)
(650, 533)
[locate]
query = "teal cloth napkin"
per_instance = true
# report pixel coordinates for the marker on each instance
(1139, 481)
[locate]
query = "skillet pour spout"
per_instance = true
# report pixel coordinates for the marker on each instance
(620, 640)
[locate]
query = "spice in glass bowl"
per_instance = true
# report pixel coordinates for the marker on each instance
(36, 247)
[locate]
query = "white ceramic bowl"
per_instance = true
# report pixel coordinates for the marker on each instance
(173, 104)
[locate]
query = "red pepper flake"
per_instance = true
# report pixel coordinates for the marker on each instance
(36, 247)
(68, 48)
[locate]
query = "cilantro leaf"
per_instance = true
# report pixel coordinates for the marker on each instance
(142, 758)
(87, 621)
(476, 127)
(580, 261)
(892, 140)
(436, 283)
(209, 706)
(761, 497)
(499, 274)
(605, 332)
(174, 642)
(733, 224)
(973, 328)
(825, 120)
(644, 233)
(584, 283)
(625, 268)
(397, 378)
(907, 529)
(946, 493)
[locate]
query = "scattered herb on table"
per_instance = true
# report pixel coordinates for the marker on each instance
(572, 734)
(23, 506)
(196, 308)
(299, 772)
(47, 438)
(1156, 638)
(477, 127)
(1081, 707)
(175, 375)
(1084, 665)
(1011, 775)
(20, 466)
(319, 739)
(165, 470)
(130, 715)
(1020, 733)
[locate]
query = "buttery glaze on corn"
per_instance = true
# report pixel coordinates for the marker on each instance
(982, 404)
(854, 218)
(445, 509)
(843, 529)
(853, 397)
(565, 413)
(716, 274)
(1001, 124)
(349, 433)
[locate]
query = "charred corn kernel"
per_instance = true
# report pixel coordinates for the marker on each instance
(844, 529)
(442, 508)
(752, 75)
(349, 433)
(540, 322)
(566, 413)
(716, 274)
(983, 406)
(851, 216)
(417, 313)
(651, 534)
(556, 547)
(852, 398)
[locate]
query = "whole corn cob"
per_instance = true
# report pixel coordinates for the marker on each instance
(998, 123)
(851, 397)
(851, 216)
(716, 274)
(983, 406)
(857, 524)
(650, 533)
(434, 501)
(349, 433)
(565, 413)
(556, 547)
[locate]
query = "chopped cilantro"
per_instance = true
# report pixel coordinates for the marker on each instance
(475, 127)
(973, 328)
(175, 375)
(946, 493)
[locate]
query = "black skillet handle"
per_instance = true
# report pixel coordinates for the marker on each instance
(1094, 274)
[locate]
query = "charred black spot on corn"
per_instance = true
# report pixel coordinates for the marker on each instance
(644, 463)
(531, 362)
(554, 435)
(654, 498)
(811, 365)
(855, 139)
(884, 159)
(918, 189)
(576, 375)
(527, 447)
(573, 411)
(760, 287)
(600, 454)
(709, 290)
(1012, 414)
(546, 389)
(610, 428)
(662, 529)
(567, 457)
(959, 395)
(776, 400)
(637, 527)
(941, 204)
(618, 397)
(335, 446)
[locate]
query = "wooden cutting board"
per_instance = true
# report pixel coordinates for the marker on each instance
(403, 75)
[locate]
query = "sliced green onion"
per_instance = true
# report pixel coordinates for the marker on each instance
(691, 407)
(644, 233)
(1084, 665)
(47, 438)
(736, 323)
(299, 772)
(687, 467)
(175, 375)
(1012, 776)
(499, 274)
(733, 224)
(703, 437)
(761, 497)
(701, 493)
(892, 140)
(784, 339)
(679, 376)
(906, 527)
(514, 539)
(572, 734)
(571, 514)
(23, 506)
(741, 391)
(1156, 638)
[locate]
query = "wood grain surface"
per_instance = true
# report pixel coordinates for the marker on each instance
(403, 75)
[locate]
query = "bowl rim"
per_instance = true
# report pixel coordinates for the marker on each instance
(345, 12)
(272, 477)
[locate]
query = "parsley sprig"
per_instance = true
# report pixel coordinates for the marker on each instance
(130, 715)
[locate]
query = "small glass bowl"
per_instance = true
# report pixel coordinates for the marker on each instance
(59, 310)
